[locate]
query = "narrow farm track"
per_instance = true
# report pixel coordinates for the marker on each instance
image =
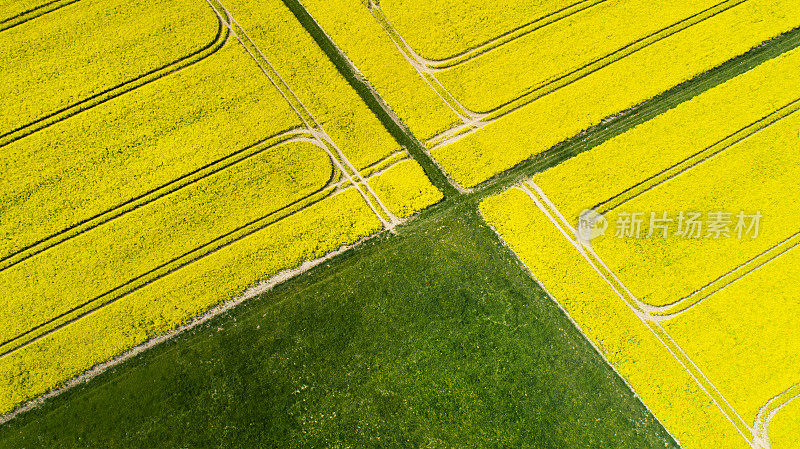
(62, 114)
(33, 13)
(697, 158)
(463, 113)
(386, 217)
(767, 413)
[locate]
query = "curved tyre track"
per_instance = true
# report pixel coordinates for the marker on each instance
(33, 13)
(120, 89)
(468, 127)
(165, 268)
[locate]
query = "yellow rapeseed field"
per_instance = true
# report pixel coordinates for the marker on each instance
(661, 382)
(747, 351)
(699, 327)
(451, 28)
(149, 204)
(783, 428)
(516, 87)
(549, 53)
(119, 42)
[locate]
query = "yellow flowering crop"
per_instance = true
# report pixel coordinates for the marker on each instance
(451, 29)
(144, 207)
(543, 56)
(701, 328)
(747, 351)
(403, 189)
(12, 9)
(783, 428)
(119, 42)
(520, 77)
(769, 159)
(630, 347)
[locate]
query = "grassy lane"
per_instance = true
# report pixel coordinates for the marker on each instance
(376, 104)
(432, 338)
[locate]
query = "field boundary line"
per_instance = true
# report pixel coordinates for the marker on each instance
(120, 89)
(768, 412)
(386, 217)
(367, 92)
(664, 338)
(30, 14)
(697, 158)
(460, 131)
(250, 293)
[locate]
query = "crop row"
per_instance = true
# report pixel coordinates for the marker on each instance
(565, 107)
(643, 174)
(162, 236)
